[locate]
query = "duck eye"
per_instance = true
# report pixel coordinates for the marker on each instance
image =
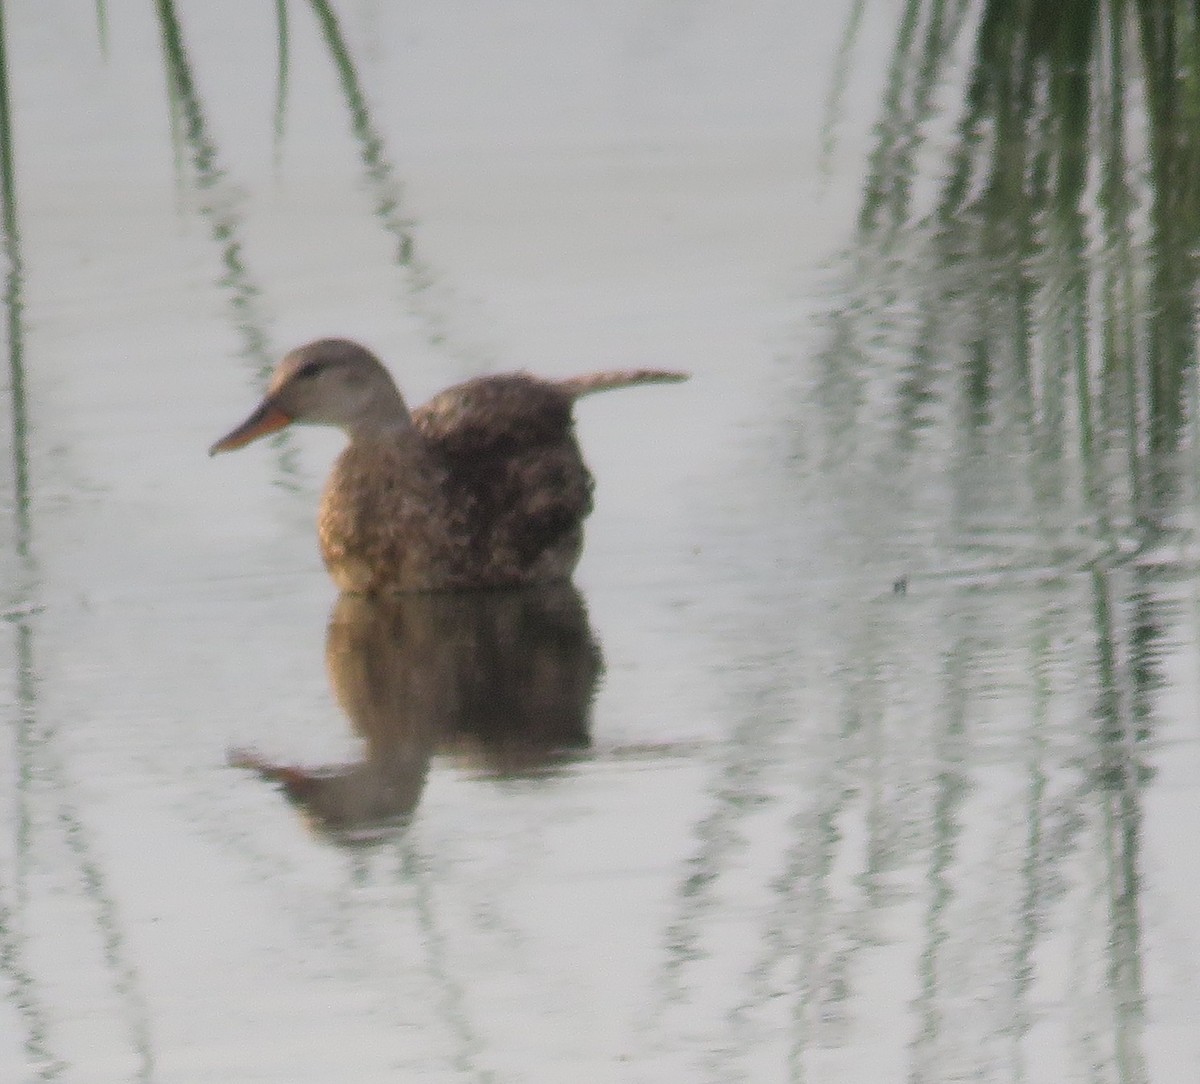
(308, 369)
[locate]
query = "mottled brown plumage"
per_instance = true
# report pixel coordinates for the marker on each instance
(483, 486)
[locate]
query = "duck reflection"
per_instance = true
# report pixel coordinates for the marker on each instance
(504, 678)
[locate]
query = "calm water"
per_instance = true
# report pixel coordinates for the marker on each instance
(868, 748)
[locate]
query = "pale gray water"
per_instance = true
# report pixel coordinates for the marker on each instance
(892, 767)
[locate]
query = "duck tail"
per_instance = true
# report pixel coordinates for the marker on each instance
(577, 386)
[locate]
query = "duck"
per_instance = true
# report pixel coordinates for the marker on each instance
(484, 486)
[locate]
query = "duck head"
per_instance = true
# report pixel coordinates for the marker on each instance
(328, 382)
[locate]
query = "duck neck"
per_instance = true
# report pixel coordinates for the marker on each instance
(385, 418)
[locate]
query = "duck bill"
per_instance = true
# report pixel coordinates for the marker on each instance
(268, 418)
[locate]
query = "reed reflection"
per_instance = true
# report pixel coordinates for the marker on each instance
(1013, 361)
(219, 201)
(1055, 239)
(1001, 418)
(503, 679)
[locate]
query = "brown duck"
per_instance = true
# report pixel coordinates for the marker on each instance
(483, 486)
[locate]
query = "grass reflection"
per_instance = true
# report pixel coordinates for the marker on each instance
(425, 300)
(1000, 414)
(1061, 236)
(37, 766)
(13, 316)
(219, 205)
(379, 171)
(31, 1017)
(283, 53)
(1021, 336)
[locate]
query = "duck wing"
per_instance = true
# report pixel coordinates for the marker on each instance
(515, 470)
(514, 466)
(495, 414)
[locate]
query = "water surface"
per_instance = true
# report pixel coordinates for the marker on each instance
(868, 748)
